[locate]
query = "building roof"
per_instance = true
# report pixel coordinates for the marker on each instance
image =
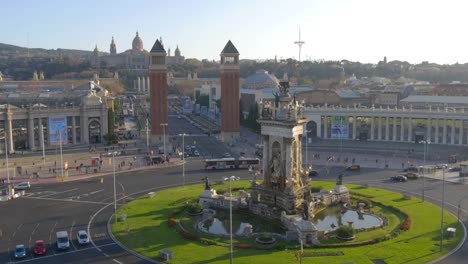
(158, 47)
(436, 99)
(229, 49)
(260, 79)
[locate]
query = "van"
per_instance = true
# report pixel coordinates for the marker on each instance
(63, 242)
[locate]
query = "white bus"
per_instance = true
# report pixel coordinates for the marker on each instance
(232, 163)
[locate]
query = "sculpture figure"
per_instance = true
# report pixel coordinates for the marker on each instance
(275, 168)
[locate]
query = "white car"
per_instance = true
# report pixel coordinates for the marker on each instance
(22, 186)
(231, 178)
(82, 237)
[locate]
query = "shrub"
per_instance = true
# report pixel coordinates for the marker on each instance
(345, 232)
(407, 223)
(188, 235)
(242, 246)
(171, 222)
(194, 208)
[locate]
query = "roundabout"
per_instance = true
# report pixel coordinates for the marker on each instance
(148, 229)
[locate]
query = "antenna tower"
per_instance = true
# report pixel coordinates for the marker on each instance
(299, 43)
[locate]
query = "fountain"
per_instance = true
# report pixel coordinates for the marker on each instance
(284, 195)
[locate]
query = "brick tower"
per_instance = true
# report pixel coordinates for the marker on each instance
(158, 92)
(230, 93)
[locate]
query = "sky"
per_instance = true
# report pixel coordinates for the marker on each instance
(356, 30)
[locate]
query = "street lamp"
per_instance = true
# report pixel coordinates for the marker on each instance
(6, 155)
(307, 143)
(442, 212)
(115, 191)
(230, 219)
(164, 136)
(426, 143)
(147, 136)
(183, 157)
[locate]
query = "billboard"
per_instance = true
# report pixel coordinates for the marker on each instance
(340, 127)
(57, 130)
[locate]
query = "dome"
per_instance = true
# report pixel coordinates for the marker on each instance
(137, 44)
(261, 79)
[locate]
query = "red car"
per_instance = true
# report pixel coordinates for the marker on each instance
(39, 247)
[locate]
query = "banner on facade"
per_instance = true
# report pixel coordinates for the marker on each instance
(339, 127)
(57, 130)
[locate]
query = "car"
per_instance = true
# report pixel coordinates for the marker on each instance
(411, 175)
(399, 178)
(40, 247)
(313, 173)
(63, 242)
(231, 178)
(227, 155)
(20, 251)
(179, 117)
(453, 169)
(410, 169)
(22, 186)
(441, 166)
(188, 147)
(353, 168)
(196, 153)
(82, 237)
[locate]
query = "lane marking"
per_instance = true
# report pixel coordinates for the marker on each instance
(70, 237)
(65, 200)
(54, 193)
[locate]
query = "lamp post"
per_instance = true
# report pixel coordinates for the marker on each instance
(183, 157)
(442, 211)
(164, 137)
(115, 190)
(307, 143)
(230, 220)
(425, 142)
(147, 137)
(6, 155)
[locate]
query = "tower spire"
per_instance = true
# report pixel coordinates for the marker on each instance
(299, 43)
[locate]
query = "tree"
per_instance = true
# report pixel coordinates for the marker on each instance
(114, 88)
(203, 99)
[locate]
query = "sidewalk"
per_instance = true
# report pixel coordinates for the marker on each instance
(26, 168)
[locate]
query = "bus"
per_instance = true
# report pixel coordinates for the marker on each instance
(231, 163)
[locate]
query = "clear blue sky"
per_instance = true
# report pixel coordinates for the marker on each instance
(358, 30)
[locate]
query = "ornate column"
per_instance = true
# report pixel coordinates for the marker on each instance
(139, 84)
(444, 132)
(266, 151)
(452, 133)
(379, 129)
(31, 130)
(73, 130)
(387, 128)
(436, 139)
(410, 129)
(41, 134)
(394, 128)
(460, 133)
(354, 127)
(371, 128)
(429, 128)
(84, 129)
(402, 129)
(325, 127)
(148, 84)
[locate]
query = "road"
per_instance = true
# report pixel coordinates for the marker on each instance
(84, 205)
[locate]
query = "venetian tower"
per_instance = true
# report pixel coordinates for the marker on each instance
(230, 93)
(284, 188)
(158, 91)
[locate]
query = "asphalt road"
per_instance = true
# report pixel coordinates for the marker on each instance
(84, 205)
(88, 205)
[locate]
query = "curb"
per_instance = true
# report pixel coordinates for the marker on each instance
(125, 248)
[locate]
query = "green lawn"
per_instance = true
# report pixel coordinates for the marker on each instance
(148, 232)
